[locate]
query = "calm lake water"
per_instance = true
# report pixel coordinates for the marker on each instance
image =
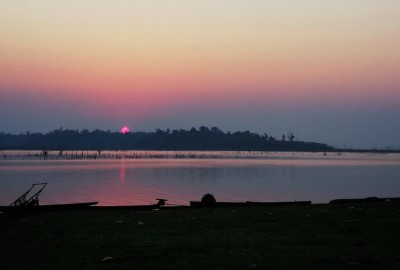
(123, 178)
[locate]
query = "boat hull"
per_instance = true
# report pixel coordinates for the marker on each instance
(127, 207)
(49, 207)
(365, 200)
(249, 204)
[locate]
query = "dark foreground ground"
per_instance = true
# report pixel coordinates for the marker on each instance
(365, 236)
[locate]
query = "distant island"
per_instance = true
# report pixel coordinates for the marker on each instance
(200, 139)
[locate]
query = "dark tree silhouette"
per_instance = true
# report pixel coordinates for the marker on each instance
(202, 138)
(291, 136)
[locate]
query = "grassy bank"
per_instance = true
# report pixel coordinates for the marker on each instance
(365, 236)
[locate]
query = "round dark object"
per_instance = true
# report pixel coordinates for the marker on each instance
(208, 200)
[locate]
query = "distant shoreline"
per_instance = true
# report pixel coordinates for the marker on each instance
(201, 139)
(18, 154)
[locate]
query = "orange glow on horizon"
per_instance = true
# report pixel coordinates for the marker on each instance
(142, 58)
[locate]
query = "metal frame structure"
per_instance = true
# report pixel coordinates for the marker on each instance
(22, 201)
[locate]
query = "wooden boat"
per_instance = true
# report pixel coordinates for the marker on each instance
(27, 202)
(249, 204)
(128, 207)
(49, 207)
(365, 200)
(161, 204)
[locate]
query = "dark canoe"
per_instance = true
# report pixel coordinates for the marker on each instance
(128, 207)
(49, 207)
(249, 204)
(365, 200)
(139, 207)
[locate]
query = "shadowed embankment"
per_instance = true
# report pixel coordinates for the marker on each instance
(343, 236)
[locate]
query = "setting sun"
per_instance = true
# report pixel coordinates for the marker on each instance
(124, 130)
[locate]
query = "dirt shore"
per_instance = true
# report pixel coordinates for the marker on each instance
(358, 236)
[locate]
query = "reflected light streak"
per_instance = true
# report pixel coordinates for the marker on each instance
(122, 172)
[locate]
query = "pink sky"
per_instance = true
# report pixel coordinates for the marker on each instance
(150, 64)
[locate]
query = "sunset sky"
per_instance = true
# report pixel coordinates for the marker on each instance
(326, 70)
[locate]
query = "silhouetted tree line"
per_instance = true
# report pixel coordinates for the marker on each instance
(202, 138)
